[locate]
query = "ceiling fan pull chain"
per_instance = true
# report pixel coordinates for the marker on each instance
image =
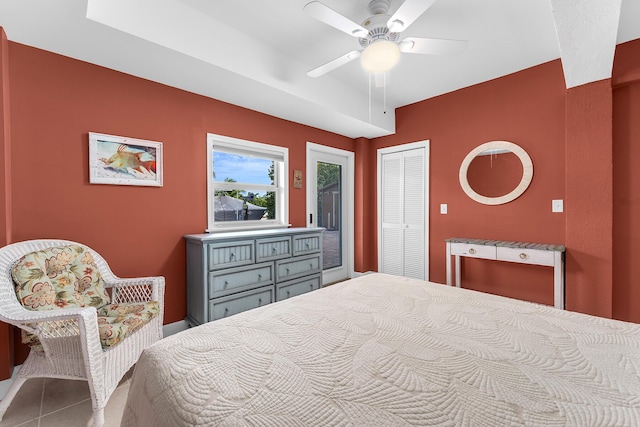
(384, 93)
(369, 98)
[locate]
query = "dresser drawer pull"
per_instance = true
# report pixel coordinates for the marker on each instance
(259, 301)
(232, 255)
(287, 271)
(274, 250)
(311, 265)
(259, 277)
(524, 256)
(306, 245)
(226, 282)
(311, 286)
(288, 293)
(472, 251)
(226, 310)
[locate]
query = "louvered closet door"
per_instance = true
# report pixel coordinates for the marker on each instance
(403, 207)
(391, 244)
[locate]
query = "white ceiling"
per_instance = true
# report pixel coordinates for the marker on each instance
(255, 53)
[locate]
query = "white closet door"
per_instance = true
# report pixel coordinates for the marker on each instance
(391, 214)
(402, 212)
(413, 192)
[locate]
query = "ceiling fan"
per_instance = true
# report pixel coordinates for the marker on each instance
(379, 35)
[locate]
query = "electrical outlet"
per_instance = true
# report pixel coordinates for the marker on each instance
(557, 206)
(443, 208)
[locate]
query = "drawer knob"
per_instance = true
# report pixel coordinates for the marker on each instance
(232, 255)
(311, 265)
(288, 293)
(226, 310)
(523, 256)
(472, 251)
(306, 245)
(259, 276)
(274, 250)
(259, 301)
(287, 271)
(226, 283)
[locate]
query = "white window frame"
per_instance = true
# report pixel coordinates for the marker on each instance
(281, 182)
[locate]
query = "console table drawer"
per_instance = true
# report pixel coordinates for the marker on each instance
(274, 248)
(231, 254)
(237, 279)
(233, 304)
(473, 251)
(296, 267)
(298, 287)
(526, 256)
(303, 245)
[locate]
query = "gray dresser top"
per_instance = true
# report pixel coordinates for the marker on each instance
(506, 244)
(252, 234)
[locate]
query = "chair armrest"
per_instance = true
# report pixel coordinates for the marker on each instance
(138, 289)
(59, 323)
(30, 316)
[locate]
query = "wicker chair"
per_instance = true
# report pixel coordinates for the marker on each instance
(76, 352)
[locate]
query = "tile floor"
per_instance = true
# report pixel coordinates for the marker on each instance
(62, 403)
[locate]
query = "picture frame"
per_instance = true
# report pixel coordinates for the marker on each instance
(120, 160)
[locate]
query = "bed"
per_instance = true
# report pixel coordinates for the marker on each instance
(381, 350)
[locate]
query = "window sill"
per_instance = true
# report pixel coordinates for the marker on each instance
(247, 228)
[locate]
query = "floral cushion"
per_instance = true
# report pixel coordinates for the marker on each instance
(116, 321)
(59, 277)
(67, 276)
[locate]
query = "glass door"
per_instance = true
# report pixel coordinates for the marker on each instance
(329, 212)
(328, 207)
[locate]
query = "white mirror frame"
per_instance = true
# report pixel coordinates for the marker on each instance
(527, 172)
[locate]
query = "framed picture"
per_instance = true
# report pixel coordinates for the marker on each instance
(124, 161)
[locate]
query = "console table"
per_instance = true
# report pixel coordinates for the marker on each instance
(520, 252)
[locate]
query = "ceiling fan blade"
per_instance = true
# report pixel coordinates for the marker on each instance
(408, 12)
(332, 65)
(432, 46)
(331, 17)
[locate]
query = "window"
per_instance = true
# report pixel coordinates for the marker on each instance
(246, 185)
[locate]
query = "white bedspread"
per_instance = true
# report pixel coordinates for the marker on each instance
(389, 351)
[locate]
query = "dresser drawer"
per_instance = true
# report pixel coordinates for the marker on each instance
(273, 248)
(239, 279)
(236, 303)
(298, 287)
(473, 251)
(297, 267)
(307, 244)
(526, 256)
(230, 254)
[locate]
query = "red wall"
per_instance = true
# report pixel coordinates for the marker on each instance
(6, 350)
(526, 108)
(56, 101)
(626, 182)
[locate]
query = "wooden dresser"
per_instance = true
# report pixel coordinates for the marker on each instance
(228, 273)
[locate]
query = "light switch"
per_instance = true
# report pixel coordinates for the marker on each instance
(557, 206)
(443, 208)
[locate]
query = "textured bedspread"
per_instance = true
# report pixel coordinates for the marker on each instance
(388, 351)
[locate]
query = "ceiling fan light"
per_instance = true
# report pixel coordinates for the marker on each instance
(380, 56)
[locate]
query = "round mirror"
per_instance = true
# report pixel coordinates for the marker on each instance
(496, 172)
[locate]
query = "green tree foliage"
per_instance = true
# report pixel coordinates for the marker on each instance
(328, 174)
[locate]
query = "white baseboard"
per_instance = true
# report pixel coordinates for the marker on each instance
(358, 274)
(167, 330)
(4, 385)
(174, 328)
